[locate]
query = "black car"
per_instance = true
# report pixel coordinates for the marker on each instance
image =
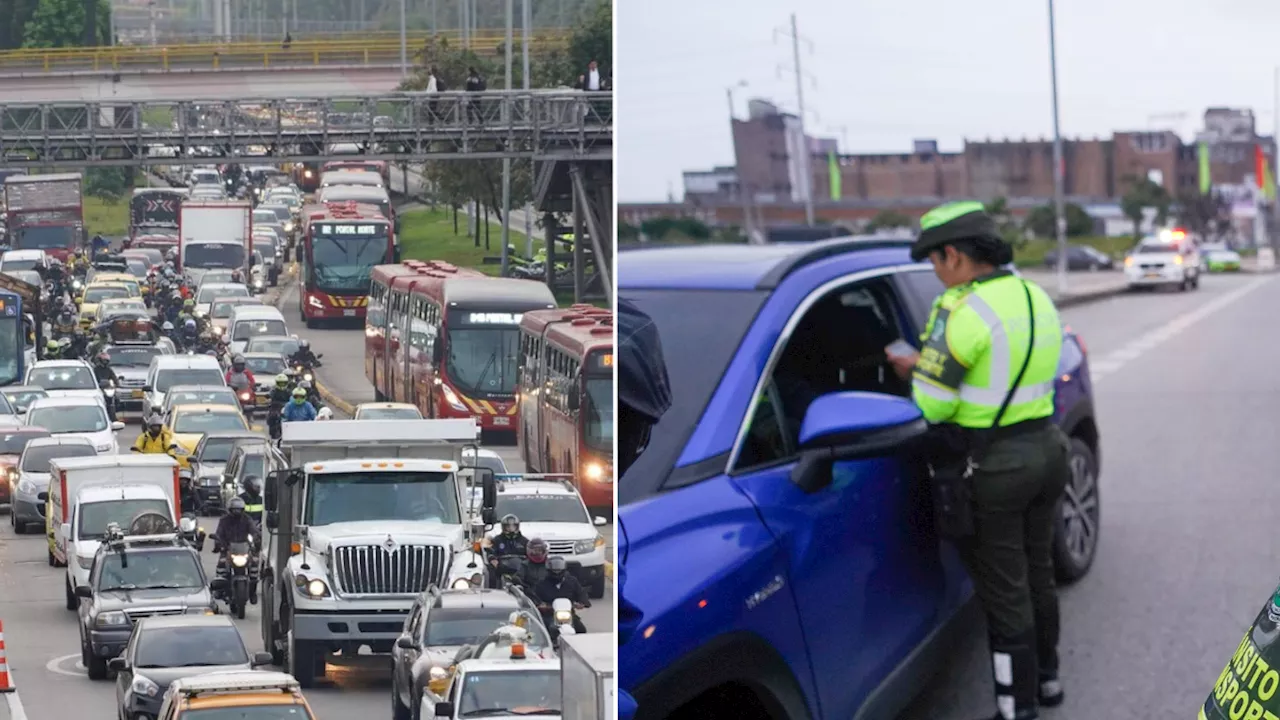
(164, 649)
(208, 463)
(133, 577)
(1081, 257)
(442, 622)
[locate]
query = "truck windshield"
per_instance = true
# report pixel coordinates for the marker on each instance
(95, 517)
(213, 255)
(357, 496)
(485, 692)
(46, 237)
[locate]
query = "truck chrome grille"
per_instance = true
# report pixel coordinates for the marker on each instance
(377, 570)
(560, 547)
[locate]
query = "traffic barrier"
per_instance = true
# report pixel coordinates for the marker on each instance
(6, 682)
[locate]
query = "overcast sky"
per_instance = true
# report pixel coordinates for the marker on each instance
(881, 73)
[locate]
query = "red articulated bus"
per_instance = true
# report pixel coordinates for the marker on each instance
(380, 167)
(462, 328)
(566, 398)
(341, 245)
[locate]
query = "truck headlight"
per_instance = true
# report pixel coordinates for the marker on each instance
(111, 619)
(452, 398)
(314, 301)
(313, 587)
(462, 584)
(143, 686)
(217, 329)
(564, 617)
(242, 560)
(594, 471)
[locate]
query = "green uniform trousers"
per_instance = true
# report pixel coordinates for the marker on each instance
(1016, 490)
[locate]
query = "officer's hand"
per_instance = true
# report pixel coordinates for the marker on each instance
(903, 365)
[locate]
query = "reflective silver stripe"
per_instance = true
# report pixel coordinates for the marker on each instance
(993, 398)
(935, 392)
(999, 376)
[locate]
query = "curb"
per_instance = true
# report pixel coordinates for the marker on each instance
(1076, 299)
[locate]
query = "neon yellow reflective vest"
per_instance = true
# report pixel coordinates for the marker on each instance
(975, 342)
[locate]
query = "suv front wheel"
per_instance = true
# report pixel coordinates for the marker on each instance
(1076, 540)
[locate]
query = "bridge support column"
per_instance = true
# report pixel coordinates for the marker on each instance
(595, 205)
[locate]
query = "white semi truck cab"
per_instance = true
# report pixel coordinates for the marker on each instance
(368, 515)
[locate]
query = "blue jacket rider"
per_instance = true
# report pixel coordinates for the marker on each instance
(299, 409)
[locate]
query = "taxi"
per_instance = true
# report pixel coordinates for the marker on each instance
(255, 693)
(124, 278)
(189, 423)
(94, 294)
(116, 306)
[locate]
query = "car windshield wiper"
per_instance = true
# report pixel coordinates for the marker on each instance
(163, 586)
(118, 588)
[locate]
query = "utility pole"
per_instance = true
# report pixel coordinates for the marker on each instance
(526, 18)
(1059, 202)
(737, 168)
(506, 161)
(1275, 155)
(404, 49)
(806, 172)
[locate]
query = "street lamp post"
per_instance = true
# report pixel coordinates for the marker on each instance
(404, 51)
(1059, 202)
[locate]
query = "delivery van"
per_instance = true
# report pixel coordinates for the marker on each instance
(86, 494)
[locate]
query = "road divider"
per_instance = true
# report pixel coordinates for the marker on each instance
(6, 680)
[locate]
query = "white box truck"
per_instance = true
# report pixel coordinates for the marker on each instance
(214, 234)
(86, 494)
(588, 688)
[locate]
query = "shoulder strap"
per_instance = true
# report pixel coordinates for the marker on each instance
(1031, 346)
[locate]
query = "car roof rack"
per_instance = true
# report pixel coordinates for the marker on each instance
(809, 253)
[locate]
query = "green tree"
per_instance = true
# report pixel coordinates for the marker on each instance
(1042, 221)
(628, 232)
(62, 23)
(16, 14)
(1203, 214)
(109, 184)
(1141, 194)
(998, 209)
(666, 229)
(888, 220)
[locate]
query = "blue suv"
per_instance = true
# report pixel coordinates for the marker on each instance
(780, 545)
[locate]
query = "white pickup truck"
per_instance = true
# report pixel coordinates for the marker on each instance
(86, 494)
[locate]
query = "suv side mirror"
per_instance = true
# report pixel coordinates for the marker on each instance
(850, 426)
(84, 591)
(218, 584)
(404, 642)
(260, 659)
(444, 709)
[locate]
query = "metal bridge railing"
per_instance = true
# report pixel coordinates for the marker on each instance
(413, 127)
(374, 51)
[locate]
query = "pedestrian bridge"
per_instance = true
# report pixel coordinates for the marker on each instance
(228, 71)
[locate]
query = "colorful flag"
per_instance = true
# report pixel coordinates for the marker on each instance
(1259, 166)
(1269, 186)
(833, 170)
(1205, 182)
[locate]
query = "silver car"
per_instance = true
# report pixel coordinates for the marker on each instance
(33, 477)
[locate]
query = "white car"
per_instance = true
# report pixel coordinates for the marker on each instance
(390, 411)
(553, 510)
(251, 321)
(65, 378)
(210, 291)
(77, 417)
(168, 371)
(15, 260)
(1163, 261)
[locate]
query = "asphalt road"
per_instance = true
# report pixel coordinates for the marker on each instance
(1188, 547)
(41, 637)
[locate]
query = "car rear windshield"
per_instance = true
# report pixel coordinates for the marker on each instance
(697, 347)
(196, 646)
(462, 626)
(37, 459)
(166, 379)
(257, 712)
(13, 443)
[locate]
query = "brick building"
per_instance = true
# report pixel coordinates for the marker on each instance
(1096, 171)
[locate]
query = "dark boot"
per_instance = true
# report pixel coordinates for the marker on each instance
(1048, 631)
(1013, 667)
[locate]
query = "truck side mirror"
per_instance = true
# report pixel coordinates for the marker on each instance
(444, 709)
(437, 354)
(273, 520)
(269, 497)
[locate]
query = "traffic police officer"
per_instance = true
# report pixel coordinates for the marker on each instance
(984, 382)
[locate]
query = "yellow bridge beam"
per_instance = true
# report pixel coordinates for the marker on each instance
(376, 50)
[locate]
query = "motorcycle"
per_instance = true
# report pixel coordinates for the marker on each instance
(507, 571)
(564, 619)
(248, 401)
(109, 397)
(239, 566)
(191, 531)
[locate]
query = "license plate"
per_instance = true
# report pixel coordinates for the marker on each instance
(137, 394)
(263, 400)
(348, 313)
(1152, 275)
(502, 421)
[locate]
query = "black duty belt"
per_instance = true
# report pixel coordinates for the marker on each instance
(1017, 429)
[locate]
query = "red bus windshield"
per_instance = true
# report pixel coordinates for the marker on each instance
(597, 410)
(483, 352)
(343, 254)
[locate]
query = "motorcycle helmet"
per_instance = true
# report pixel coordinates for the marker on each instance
(510, 523)
(282, 380)
(304, 386)
(167, 327)
(237, 362)
(236, 506)
(253, 484)
(155, 422)
(324, 414)
(189, 326)
(556, 566)
(52, 346)
(304, 344)
(299, 394)
(537, 550)
(103, 358)
(188, 304)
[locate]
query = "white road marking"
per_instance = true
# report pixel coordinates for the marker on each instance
(16, 711)
(1117, 359)
(55, 666)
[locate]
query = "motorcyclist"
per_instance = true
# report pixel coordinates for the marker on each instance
(239, 377)
(67, 321)
(237, 526)
(156, 440)
(324, 413)
(99, 245)
(560, 584)
(298, 408)
(106, 377)
(188, 311)
(190, 333)
(168, 331)
(52, 350)
(303, 355)
(252, 497)
(173, 308)
(207, 343)
(507, 551)
(644, 394)
(535, 567)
